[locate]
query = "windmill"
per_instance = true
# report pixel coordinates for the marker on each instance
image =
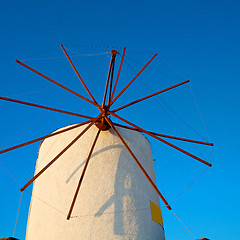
(102, 124)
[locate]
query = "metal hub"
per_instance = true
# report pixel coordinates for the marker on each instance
(102, 124)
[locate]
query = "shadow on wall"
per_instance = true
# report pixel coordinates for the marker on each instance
(122, 191)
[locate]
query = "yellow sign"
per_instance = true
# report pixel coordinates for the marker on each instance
(156, 213)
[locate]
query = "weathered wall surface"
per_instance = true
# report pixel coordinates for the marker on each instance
(113, 202)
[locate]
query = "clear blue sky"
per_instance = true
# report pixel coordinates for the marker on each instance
(196, 40)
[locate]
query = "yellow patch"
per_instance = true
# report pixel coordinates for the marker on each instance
(156, 213)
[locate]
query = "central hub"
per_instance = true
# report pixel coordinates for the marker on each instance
(102, 124)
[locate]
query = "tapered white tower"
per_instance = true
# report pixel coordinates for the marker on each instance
(114, 199)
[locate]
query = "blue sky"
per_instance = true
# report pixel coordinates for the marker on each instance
(196, 40)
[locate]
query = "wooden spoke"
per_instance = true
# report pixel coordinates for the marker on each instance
(110, 85)
(120, 67)
(138, 163)
(59, 155)
(166, 136)
(44, 137)
(58, 84)
(133, 79)
(80, 78)
(44, 107)
(82, 176)
(160, 139)
(114, 52)
(152, 95)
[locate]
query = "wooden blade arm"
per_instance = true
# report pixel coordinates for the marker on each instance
(44, 137)
(166, 136)
(138, 163)
(82, 176)
(113, 57)
(44, 107)
(110, 85)
(160, 139)
(149, 96)
(119, 71)
(56, 83)
(133, 79)
(80, 78)
(59, 155)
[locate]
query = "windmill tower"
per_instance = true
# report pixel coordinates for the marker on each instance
(97, 176)
(114, 199)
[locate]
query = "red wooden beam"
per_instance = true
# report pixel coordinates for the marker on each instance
(160, 139)
(80, 78)
(44, 137)
(58, 84)
(133, 79)
(120, 67)
(114, 52)
(138, 163)
(82, 176)
(44, 107)
(166, 136)
(151, 95)
(111, 80)
(59, 155)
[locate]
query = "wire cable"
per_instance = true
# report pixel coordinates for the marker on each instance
(113, 212)
(10, 174)
(160, 182)
(154, 70)
(20, 201)
(189, 185)
(183, 224)
(87, 54)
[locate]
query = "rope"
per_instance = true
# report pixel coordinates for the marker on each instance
(152, 69)
(182, 224)
(76, 55)
(40, 51)
(49, 204)
(10, 174)
(175, 121)
(36, 59)
(189, 185)
(201, 117)
(199, 112)
(100, 61)
(178, 72)
(24, 130)
(51, 58)
(164, 194)
(87, 54)
(180, 128)
(17, 214)
(92, 72)
(106, 213)
(28, 93)
(180, 118)
(140, 52)
(93, 46)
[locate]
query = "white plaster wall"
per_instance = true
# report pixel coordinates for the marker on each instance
(113, 202)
